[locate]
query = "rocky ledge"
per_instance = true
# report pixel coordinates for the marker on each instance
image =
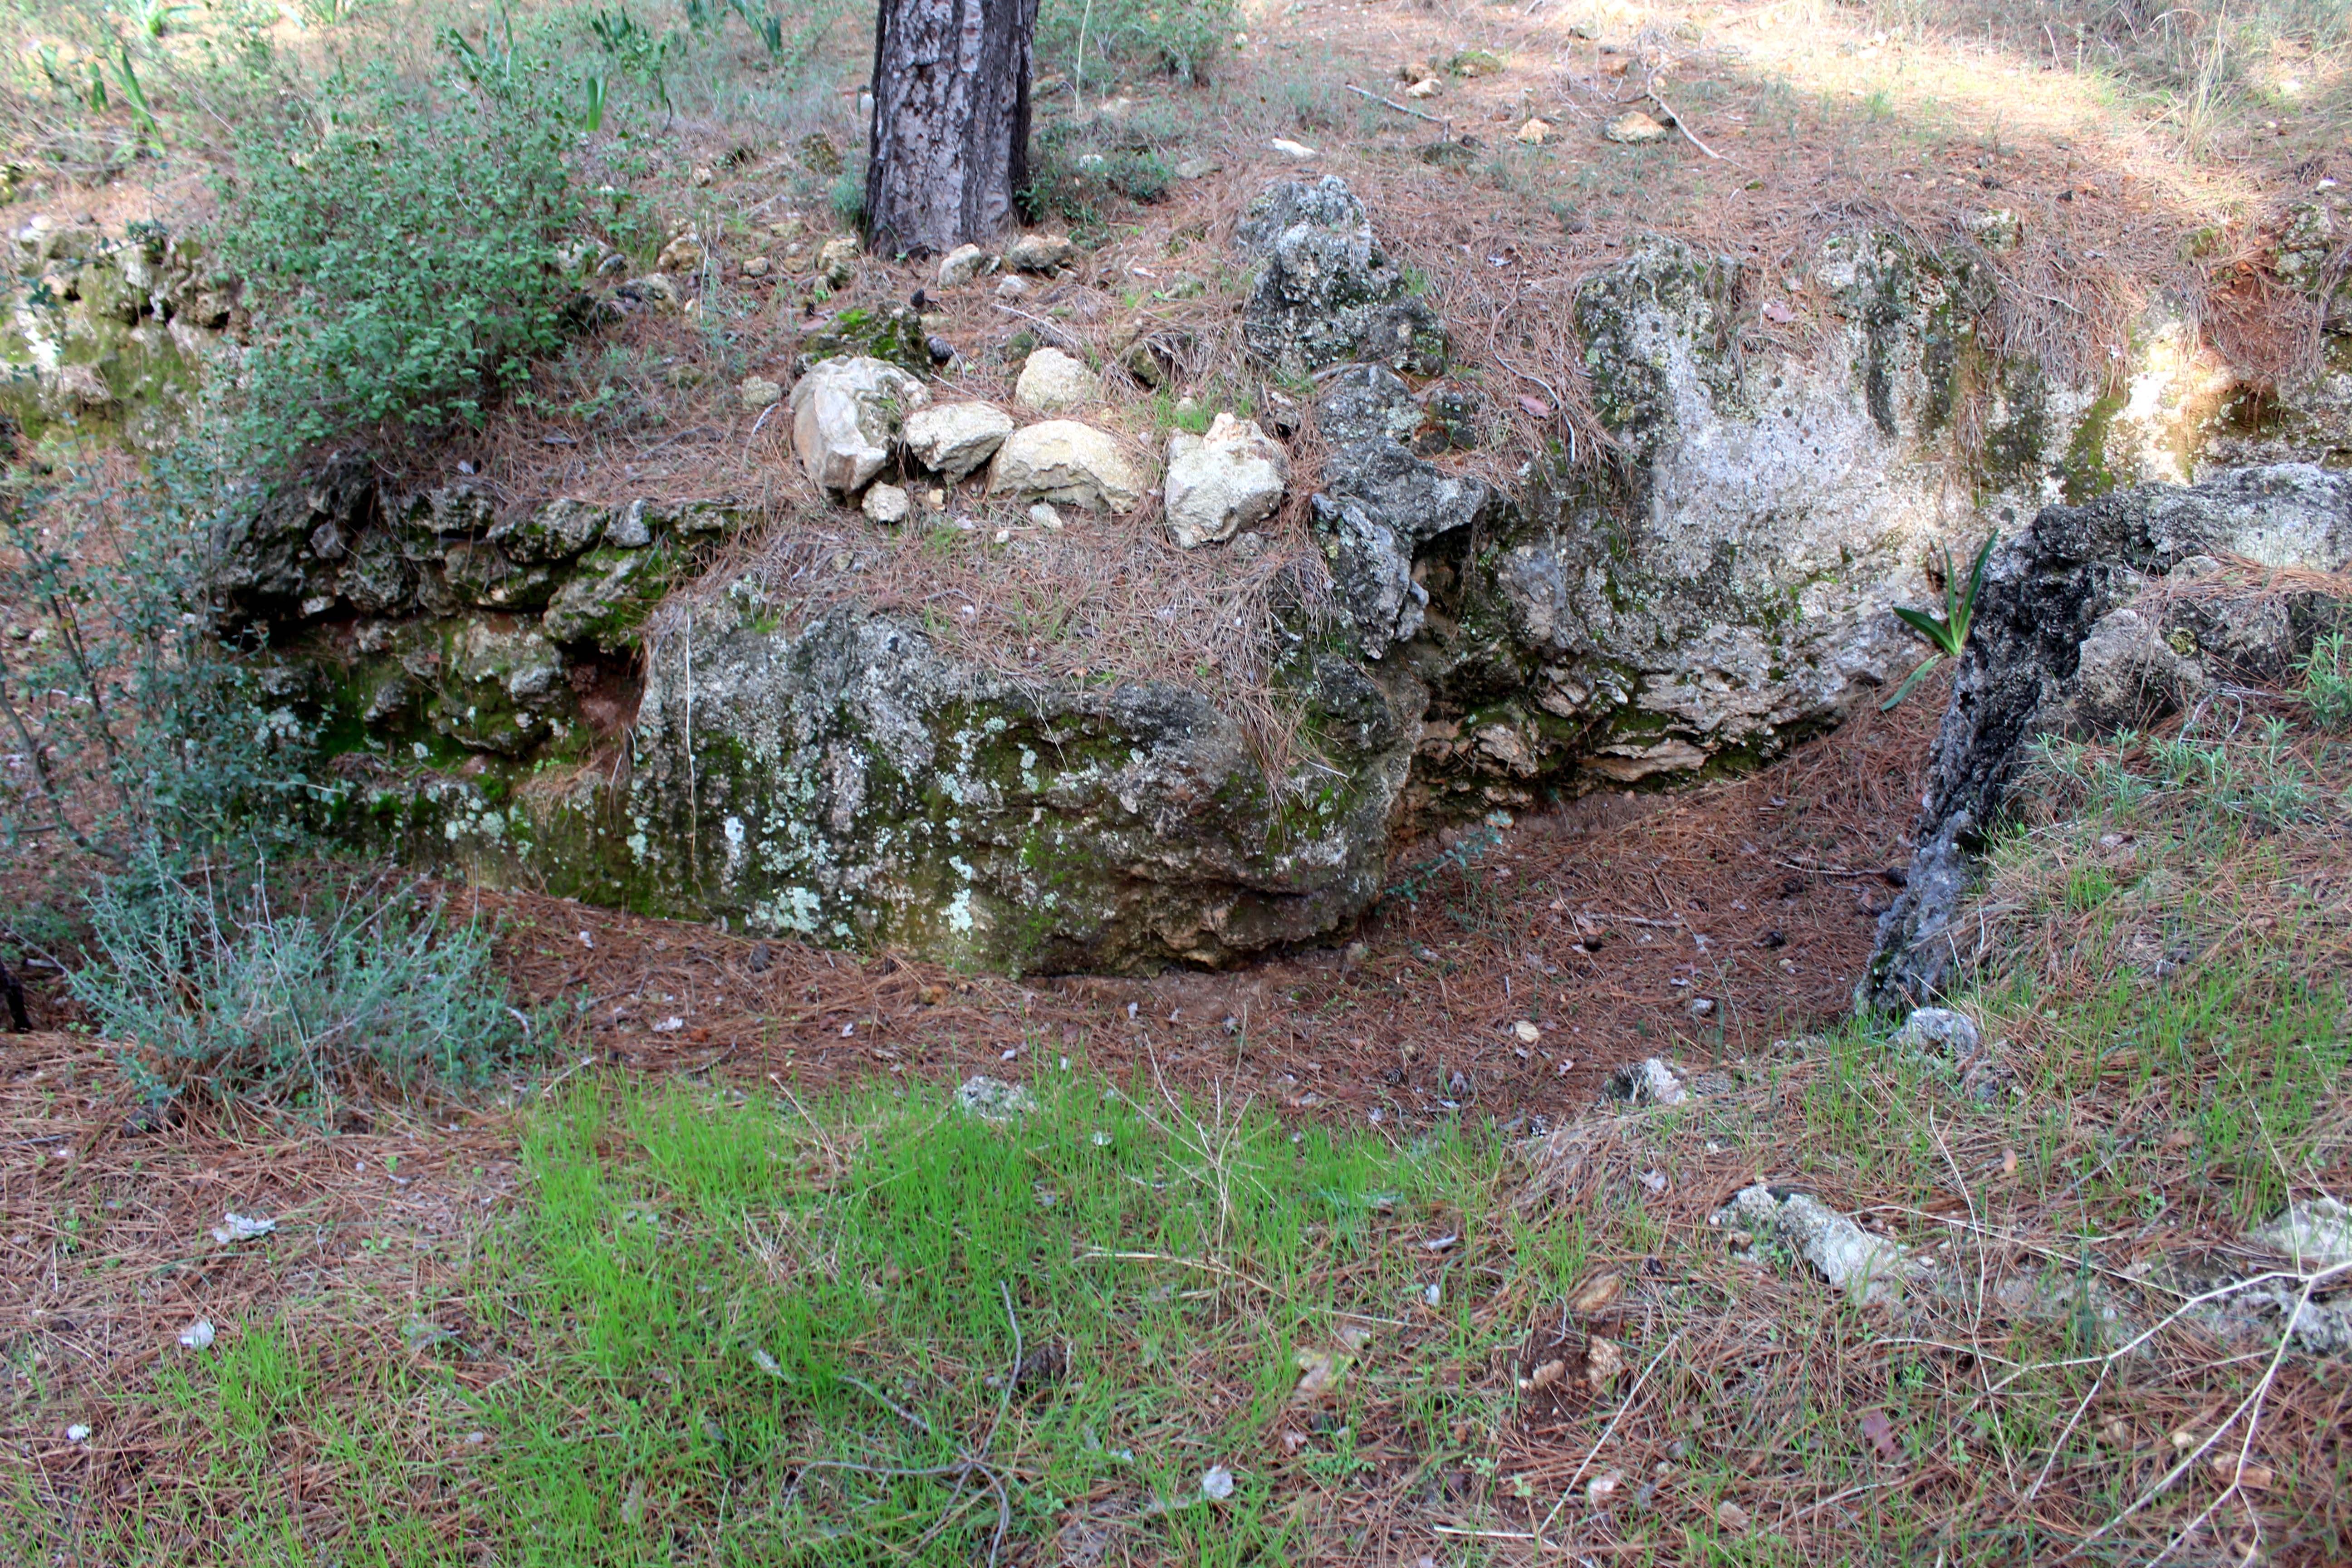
(525, 693)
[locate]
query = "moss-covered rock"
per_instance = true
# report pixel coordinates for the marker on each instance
(848, 782)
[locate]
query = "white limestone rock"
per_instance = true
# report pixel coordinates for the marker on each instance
(954, 438)
(1221, 483)
(961, 264)
(846, 414)
(1053, 381)
(1068, 464)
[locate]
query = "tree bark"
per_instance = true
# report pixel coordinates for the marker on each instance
(949, 148)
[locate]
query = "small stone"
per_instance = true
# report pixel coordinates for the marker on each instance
(198, 1335)
(1040, 253)
(684, 254)
(887, 504)
(837, 262)
(1052, 381)
(1199, 168)
(993, 1100)
(1702, 1006)
(758, 392)
(1527, 1031)
(1009, 289)
(1296, 151)
(653, 290)
(1634, 127)
(1044, 516)
(1217, 1483)
(1427, 87)
(1649, 1082)
(1187, 405)
(757, 266)
(1600, 1488)
(961, 264)
(1942, 1030)
(77, 1434)
(1536, 133)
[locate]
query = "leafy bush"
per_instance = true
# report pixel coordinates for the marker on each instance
(123, 721)
(398, 244)
(219, 988)
(1096, 42)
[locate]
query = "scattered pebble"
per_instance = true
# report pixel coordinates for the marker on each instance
(1217, 1483)
(198, 1335)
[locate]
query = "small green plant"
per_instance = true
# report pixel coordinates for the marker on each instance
(1946, 635)
(223, 989)
(637, 50)
(2328, 682)
(1097, 42)
(127, 721)
(399, 244)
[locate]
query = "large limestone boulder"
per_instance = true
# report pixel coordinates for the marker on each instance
(1326, 292)
(1065, 463)
(846, 412)
(2067, 639)
(1221, 483)
(1052, 381)
(954, 438)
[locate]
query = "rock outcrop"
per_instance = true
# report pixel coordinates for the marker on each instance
(1326, 292)
(847, 781)
(2064, 643)
(1720, 588)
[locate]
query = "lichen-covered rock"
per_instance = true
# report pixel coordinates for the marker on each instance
(846, 414)
(1065, 463)
(1381, 507)
(1326, 292)
(608, 595)
(951, 439)
(848, 782)
(1040, 253)
(2048, 605)
(104, 336)
(1220, 483)
(894, 335)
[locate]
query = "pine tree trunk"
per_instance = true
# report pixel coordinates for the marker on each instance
(950, 140)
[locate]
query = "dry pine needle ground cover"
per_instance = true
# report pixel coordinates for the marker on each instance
(1402, 1329)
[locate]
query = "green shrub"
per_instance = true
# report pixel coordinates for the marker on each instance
(398, 245)
(218, 987)
(123, 720)
(1097, 42)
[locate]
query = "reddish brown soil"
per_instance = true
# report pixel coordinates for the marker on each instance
(1756, 894)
